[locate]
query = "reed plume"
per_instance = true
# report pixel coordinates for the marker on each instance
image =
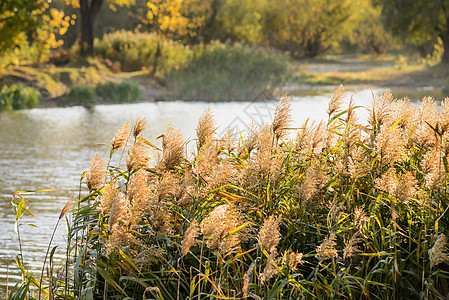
(269, 235)
(282, 118)
(172, 148)
(437, 253)
(251, 138)
(217, 226)
(139, 126)
(120, 138)
(246, 280)
(137, 156)
(292, 260)
(380, 110)
(138, 195)
(109, 195)
(327, 248)
(118, 210)
(351, 248)
(96, 174)
(189, 239)
(205, 128)
(336, 101)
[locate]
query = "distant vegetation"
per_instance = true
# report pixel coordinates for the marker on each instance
(174, 42)
(18, 96)
(329, 210)
(224, 72)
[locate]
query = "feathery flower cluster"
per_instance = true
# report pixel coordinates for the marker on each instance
(120, 138)
(96, 174)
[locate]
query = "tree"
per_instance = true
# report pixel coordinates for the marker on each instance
(307, 27)
(171, 19)
(89, 10)
(419, 21)
(31, 28)
(17, 18)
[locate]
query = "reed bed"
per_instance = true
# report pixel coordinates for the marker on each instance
(341, 209)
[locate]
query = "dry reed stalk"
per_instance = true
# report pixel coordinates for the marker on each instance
(251, 138)
(96, 174)
(282, 118)
(205, 128)
(272, 267)
(167, 187)
(139, 126)
(120, 138)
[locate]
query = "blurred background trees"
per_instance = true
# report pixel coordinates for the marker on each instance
(301, 28)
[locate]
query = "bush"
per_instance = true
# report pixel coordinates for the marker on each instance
(135, 50)
(18, 96)
(119, 92)
(229, 72)
(81, 95)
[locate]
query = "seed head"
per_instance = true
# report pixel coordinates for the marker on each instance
(96, 174)
(120, 138)
(139, 126)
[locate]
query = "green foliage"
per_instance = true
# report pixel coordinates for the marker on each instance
(241, 20)
(423, 23)
(18, 96)
(229, 72)
(81, 95)
(15, 20)
(119, 92)
(308, 28)
(136, 50)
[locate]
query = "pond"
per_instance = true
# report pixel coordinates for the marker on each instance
(50, 149)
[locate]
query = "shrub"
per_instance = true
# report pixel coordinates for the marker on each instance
(135, 50)
(229, 72)
(18, 96)
(119, 92)
(81, 95)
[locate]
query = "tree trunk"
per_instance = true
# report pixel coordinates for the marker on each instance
(211, 21)
(156, 58)
(89, 12)
(445, 38)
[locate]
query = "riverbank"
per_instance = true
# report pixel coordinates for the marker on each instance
(54, 83)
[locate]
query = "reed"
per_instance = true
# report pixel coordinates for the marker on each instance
(343, 209)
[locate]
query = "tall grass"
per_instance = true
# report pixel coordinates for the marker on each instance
(330, 210)
(18, 96)
(228, 72)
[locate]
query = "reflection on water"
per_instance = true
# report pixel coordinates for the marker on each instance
(50, 148)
